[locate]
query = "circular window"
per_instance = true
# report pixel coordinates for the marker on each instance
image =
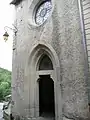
(43, 12)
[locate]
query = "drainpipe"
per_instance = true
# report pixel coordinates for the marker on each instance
(86, 66)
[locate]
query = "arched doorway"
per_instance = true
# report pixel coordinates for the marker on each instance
(40, 53)
(46, 88)
(46, 96)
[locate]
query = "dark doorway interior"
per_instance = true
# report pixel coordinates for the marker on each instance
(46, 96)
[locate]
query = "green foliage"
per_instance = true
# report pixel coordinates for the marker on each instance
(5, 83)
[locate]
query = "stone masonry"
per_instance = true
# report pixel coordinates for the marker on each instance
(60, 37)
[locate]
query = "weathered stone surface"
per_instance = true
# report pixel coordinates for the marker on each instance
(61, 38)
(66, 118)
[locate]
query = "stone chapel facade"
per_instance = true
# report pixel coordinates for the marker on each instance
(48, 76)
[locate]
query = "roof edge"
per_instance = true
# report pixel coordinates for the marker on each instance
(16, 2)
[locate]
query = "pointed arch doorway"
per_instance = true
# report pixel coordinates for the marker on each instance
(36, 68)
(46, 88)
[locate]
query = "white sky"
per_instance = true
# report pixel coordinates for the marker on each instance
(6, 19)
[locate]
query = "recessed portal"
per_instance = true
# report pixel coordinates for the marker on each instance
(46, 96)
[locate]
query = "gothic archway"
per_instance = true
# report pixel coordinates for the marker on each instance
(34, 71)
(46, 88)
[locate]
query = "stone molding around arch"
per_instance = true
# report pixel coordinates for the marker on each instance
(43, 47)
(32, 76)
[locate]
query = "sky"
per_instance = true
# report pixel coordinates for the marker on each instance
(7, 15)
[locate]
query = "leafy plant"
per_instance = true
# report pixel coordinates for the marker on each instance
(5, 83)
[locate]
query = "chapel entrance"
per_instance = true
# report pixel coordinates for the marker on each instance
(44, 83)
(46, 96)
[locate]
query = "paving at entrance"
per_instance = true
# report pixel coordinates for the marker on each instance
(46, 118)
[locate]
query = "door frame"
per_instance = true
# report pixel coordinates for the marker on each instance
(41, 78)
(52, 76)
(32, 76)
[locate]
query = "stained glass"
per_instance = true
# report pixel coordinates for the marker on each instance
(43, 12)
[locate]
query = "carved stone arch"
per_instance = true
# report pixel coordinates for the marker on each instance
(43, 48)
(32, 76)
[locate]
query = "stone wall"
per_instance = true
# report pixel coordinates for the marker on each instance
(62, 31)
